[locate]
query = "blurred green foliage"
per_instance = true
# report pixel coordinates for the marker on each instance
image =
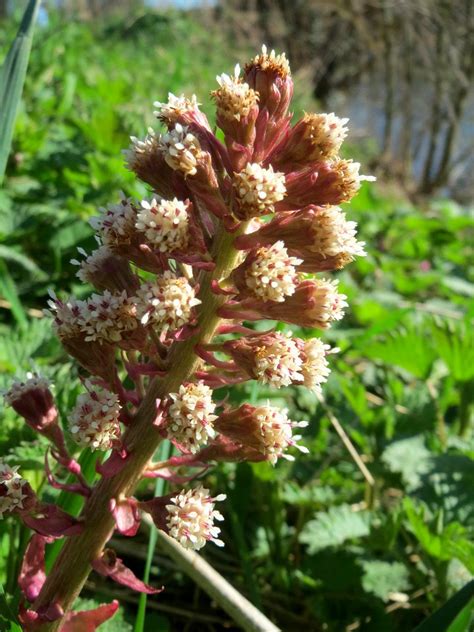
(312, 542)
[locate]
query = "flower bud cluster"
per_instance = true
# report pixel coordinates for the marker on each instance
(175, 109)
(116, 224)
(280, 360)
(236, 230)
(167, 302)
(234, 98)
(181, 150)
(191, 517)
(257, 190)
(165, 224)
(12, 489)
(191, 416)
(33, 400)
(94, 421)
(265, 429)
(269, 273)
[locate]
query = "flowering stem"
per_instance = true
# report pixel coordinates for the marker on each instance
(72, 566)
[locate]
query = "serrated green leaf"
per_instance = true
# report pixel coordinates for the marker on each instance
(382, 578)
(454, 342)
(334, 527)
(453, 541)
(410, 458)
(408, 348)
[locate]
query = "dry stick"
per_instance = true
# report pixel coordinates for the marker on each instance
(347, 442)
(244, 613)
(72, 566)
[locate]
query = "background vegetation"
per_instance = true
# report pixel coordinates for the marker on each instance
(319, 543)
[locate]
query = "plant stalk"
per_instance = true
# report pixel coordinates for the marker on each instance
(72, 566)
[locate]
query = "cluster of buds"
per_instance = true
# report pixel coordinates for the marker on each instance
(232, 231)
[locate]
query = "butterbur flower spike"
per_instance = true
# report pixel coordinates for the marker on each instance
(232, 231)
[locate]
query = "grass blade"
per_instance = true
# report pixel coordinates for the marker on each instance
(164, 452)
(9, 292)
(442, 618)
(12, 78)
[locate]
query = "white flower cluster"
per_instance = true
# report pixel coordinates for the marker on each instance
(328, 303)
(272, 61)
(277, 433)
(167, 302)
(191, 416)
(18, 389)
(258, 189)
(116, 223)
(326, 133)
(272, 275)
(334, 235)
(103, 317)
(165, 224)
(315, 367)
(181, 149)
(140, 150)
(191, 517)
(94, 421)
(11, 489)
(92, 263)
(279, 363)
(108, 316)
(234, 98)
(68, 316)
(350, 177)
(171, 111)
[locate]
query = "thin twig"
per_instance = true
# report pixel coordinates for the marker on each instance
(347, 442)
(244, 613)
(31, 311)
(378, 401)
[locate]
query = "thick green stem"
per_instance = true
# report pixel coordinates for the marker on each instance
(72, 566)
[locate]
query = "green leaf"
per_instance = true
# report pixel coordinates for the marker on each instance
(12, 78)
(408, 348)
(452, 541)
(9, 253)
(334, 527)
(443, 618)
(410, 458)
(462, 622)
(163, 453)
(454, 342)
(382, 578)
(8, 290)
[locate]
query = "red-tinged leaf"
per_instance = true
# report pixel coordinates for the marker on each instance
(31, 621)
(74, 488)
(89, 620)
(50, 520)
(127, 515)
(156, 507)
(114, 464)
(109, 565)
(170, 476)
(32, 573)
